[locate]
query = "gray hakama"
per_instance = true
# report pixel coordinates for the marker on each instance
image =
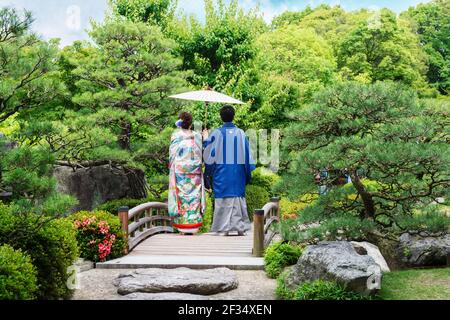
(230, 214)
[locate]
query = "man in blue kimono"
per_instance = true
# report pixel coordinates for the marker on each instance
(229, 165)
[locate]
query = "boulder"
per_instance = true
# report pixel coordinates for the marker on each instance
(95, 185)
(163, 296)
(418, 250)
(372, 251)
(183, 280)
(336, 261)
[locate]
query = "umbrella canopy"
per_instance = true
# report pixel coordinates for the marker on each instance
(206, 96)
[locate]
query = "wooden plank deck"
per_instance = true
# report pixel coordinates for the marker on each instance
(202, 251)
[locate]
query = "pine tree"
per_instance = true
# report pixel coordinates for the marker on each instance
(392, 146)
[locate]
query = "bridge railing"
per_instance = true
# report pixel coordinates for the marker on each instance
(144, 221)
(151, 218)
(263, 219)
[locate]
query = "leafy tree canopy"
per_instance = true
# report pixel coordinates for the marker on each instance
(292, 63)
(28, 75)
(29, 82)
(218, 50)
(382, 49)
(431, 21)
(155, 12)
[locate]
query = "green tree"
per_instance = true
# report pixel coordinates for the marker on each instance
(26, 172)
(29, 79)
(126, 82)
(218, 50)
(381, 48)
(29, 83)
(292, 63)
(431, 21)
(333, 23)
(119, 108)
(392, 146)
(155, 12)
(290, 17)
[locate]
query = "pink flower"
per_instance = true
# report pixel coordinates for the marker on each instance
(104, 227)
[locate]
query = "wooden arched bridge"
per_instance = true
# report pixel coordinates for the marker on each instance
(152, 241)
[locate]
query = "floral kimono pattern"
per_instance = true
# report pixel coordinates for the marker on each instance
(186, 201)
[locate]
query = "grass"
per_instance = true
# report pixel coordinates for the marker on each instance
(416, 284)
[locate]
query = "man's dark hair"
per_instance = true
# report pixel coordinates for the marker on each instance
(227, 113)
(186, 117)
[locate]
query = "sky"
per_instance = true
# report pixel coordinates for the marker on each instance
(69, 19)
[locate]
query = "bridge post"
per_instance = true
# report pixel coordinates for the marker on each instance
(123, 217)
(258, 232)
(277, 201)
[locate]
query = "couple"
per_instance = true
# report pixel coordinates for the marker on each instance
(228, 168)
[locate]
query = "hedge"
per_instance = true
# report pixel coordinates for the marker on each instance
(18, 276)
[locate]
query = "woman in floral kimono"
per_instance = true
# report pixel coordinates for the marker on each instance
(186, 193)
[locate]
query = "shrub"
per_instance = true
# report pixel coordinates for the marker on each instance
(278, 256)
(52, 249)
(281, 291)
(256, 198)
(291, 209)
(316, 290)
(99, 235)
(264, 178)
(326, 290)
(312, 226)
(18, 277)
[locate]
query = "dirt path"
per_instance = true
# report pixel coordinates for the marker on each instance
(97, 284)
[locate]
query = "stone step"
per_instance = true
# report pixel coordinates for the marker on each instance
(181, 280)
(193, 262)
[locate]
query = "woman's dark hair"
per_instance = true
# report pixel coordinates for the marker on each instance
(227, 113)
(186, 117)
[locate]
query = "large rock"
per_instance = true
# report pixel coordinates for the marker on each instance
(184, 280)
(372, 251)
(417, 250)
(95, 185)
(338, 261)
(164, 296)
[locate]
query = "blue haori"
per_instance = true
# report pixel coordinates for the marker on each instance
(230, 214)
(228, 161)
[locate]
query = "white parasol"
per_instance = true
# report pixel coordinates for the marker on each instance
(206, 96)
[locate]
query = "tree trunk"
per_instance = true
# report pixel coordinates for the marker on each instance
(369, 206)
(124, 137)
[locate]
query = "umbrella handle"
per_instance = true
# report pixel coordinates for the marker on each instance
(206, 115)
